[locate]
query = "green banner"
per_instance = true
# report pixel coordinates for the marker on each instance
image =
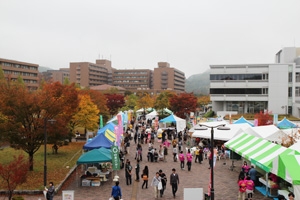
(101, 121)
(115, 157)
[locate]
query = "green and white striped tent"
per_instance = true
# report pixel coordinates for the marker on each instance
(287, 166)
(258, 151)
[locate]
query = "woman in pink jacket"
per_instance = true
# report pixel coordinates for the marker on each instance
(189, 158)
(181, 158)
(249, 187)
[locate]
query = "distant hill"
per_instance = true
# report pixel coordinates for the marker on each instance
(44, 69)
(198, 83)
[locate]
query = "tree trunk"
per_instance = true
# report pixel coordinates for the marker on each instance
(30, 161)
(10, 193)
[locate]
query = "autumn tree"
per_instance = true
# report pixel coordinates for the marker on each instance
(27, 113)
(263, 118)
(162, 101)
(203, 101)
(114, 102)
(87, 115)
(13, 174)
(145, 101)
(183, 104)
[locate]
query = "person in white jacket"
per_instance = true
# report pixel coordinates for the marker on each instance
(155, 181)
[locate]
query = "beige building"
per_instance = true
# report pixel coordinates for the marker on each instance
(162, 78)
(29, 72)
(57, 75)
(133, 79)
(88, 74)
(168, 78)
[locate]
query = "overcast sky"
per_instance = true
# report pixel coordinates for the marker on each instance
(190, 35)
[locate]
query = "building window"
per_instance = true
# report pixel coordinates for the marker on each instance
(297, 91)
(265, 76)
(290, 92)
(290, 77)
(265, 90)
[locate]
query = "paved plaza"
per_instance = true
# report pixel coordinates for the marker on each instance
(225, 180)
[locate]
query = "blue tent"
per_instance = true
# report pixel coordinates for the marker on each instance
(285, 124)
(110, 126)
(180, 123)
(99, 141)
(242, 120)
(95, 156)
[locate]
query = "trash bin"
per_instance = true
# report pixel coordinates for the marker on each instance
(206, 197)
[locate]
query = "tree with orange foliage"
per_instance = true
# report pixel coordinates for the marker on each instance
(27, 113)
(13, 174)
(263, 118)
(183, 104)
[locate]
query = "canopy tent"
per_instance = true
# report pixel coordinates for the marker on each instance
(168, 111)
(296, 146)
(224, 135)
(287, 167)
(151, 115)
(258, 151)
(285, 124)
(105, 140)
(268, 131)
(279, 135)
(242, 120)
(95, 156)
(180, 123)
(110, 126)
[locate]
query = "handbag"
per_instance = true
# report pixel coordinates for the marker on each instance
(159, 186)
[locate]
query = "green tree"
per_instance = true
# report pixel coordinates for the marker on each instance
(162, 101)
(131, 101)
(145, 101)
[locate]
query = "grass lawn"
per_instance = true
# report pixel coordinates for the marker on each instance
(58, 165)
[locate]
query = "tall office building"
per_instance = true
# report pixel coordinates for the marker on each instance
(88, 74)
(250, 88)
(29, 72)
(167, 78)
(57, 75)
(133, 79)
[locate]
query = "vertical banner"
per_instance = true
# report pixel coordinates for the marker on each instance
(119, 129)
(156, 123)
(275, 119)
(255, 122)
(101, 121)
(115, 157)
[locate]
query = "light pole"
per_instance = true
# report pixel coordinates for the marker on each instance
(204, 127)
(45, 149)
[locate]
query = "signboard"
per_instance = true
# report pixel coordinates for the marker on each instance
(115, 157)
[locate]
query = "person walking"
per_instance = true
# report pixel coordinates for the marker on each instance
(163, 181)
(189, 158)
(116, 192)
(249, 188)
(165, 153)
(291, 196)
(155, 181)
(128, 173)
(174, 181)
(242, 188)
(50, 191)
(175, 153)
(137, 170)
(181, 158)
(145, 177)
(197, 155)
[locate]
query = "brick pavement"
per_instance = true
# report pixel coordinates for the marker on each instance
(225, 181)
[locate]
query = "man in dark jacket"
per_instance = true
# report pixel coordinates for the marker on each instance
(174, 182)
(163, 182)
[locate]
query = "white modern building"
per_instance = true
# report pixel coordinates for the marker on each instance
(250, 88)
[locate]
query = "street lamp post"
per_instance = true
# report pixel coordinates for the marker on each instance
(220, 127)
(45, 149)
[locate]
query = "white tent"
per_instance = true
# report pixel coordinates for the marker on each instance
(268, 131)
(180, 123)
(223, 135)
(296, 146)
(151, 115)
